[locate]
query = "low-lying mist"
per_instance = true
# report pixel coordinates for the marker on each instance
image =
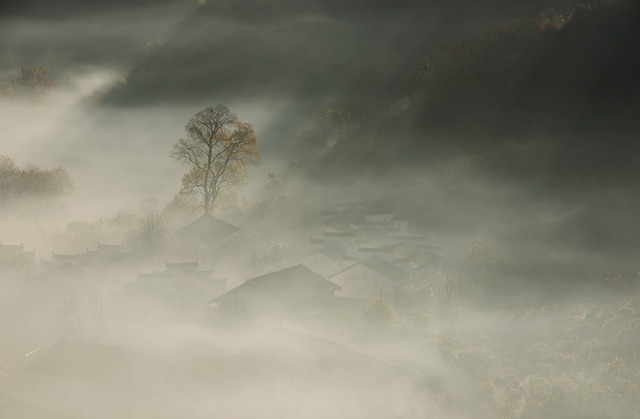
(438, 246)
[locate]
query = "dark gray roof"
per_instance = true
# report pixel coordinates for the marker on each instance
(370, 232)
(384, 268)
(351, 215)
(15, 247)
(177, 272)
(289, 286)
(63, 257)
(408, 235)
(207, 229)
(338, 230)
(104, 246)
(344, 221)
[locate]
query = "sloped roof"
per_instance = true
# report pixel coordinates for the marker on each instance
(207, 229)
(382, 267)
(20, 409)
(370, 232)
(344, 220)
(367, 246)
(385, 268)
(86, 361)
(103, 246)
(289, 286)
(406, 250)
(378, 216)
(12, 247)
(178, 271)
(353, 215)
(409, 235)
(338, 230)
(64, 257)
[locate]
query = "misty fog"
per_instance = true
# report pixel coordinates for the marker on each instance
(319, 209)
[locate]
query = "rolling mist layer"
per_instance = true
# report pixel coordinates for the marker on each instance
(443, 222)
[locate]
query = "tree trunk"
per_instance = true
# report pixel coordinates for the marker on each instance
(208, 207)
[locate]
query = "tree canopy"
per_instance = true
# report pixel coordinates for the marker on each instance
(217, 148)
(31, 184)
(33, 82)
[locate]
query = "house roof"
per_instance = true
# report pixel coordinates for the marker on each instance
(379, 265)
(104, 247)
(409, 235)
(207, 229)
(289, 286)
(406, 250)
(63, 257)
(12, 247)
(86, 361)
(20, 409)
(367, 246)
(372, 233)
(176, 271)
(338, 230)
(104, 253)
(384, 268)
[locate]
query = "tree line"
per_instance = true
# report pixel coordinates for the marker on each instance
(568, 72)
(31, 184)
(32, 82)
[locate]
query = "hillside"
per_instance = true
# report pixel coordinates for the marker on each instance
(306, 51)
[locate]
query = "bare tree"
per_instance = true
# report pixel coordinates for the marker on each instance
(218, 148)
(147, 238)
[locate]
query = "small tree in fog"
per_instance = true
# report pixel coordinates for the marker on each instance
(218, 148)
(33, 82)
(31, 187)
(271, 198)
(149, 234)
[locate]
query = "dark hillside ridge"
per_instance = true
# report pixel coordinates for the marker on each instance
(305, 50)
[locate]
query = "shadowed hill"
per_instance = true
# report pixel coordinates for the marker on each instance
(306, 50)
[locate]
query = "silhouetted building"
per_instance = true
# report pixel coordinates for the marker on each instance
(370, 279)
(270, 297)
